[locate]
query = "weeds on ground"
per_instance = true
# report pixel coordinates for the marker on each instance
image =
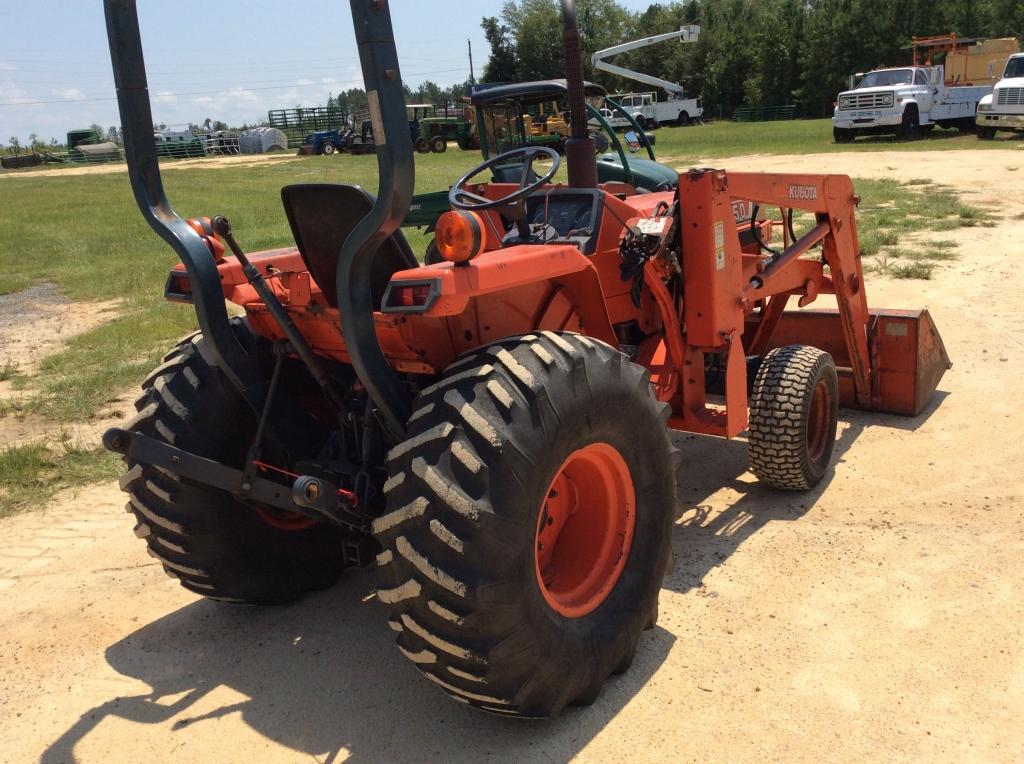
(30, 474)
(891, 213)
(8, 371)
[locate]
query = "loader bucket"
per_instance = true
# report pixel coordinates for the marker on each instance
(907, 355)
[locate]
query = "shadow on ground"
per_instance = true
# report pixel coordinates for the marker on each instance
(703, 539)
(322, 676)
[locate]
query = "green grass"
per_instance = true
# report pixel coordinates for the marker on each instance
(31, 474)
(892, 215)
(84, 233)
(918, 270)
(8, 371)
(805, 136)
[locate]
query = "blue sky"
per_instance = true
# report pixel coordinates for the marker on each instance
(228, 60)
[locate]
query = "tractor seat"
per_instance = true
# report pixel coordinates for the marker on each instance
(321, 216)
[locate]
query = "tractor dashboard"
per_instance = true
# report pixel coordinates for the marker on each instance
(563, 216)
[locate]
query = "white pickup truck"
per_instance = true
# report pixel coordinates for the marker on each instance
(904, 102)
(1003, 108)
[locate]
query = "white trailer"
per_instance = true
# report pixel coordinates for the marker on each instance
(645, 108)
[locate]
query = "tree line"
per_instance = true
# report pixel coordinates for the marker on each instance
(750, 52)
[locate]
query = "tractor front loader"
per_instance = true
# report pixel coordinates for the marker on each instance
(491, 432)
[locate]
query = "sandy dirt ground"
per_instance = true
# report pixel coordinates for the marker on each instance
(34, 324)
(249, 160)
(878, 617)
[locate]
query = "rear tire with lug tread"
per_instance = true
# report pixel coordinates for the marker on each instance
(212, 543)
(468, 499)
(793, 416)
(986, 133)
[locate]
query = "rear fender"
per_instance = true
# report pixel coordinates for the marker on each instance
(515, 288)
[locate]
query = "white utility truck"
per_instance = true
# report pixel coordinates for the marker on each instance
(1003, 109)
(645, 108)
(908, 100)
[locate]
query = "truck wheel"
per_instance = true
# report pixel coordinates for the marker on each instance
(793, 413)
(986, 133)
(843, 135)
(528, 521)
(422, 146)
(212, 543)
(329, 148)
(439, 145)
(684, 119)
(910, 128)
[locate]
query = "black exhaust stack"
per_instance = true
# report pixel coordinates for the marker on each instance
(580, 150)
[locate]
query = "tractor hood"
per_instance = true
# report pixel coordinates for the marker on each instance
(649, 175)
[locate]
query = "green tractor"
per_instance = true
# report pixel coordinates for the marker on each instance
(435, 133)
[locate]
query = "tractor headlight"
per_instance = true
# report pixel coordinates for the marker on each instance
(845, 102)
(985, 106)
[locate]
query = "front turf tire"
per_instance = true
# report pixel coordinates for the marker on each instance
(466, 499)
(794, 410)
(212, 543)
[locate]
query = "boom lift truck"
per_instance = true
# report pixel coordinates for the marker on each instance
(490, 433)
(645, 107)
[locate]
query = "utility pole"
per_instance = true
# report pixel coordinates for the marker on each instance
(472, 77)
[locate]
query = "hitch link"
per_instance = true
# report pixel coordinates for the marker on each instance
(309, 496)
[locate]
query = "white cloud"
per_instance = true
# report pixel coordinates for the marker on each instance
(12, 94)
(203, 100)
(242, 95)
(165, 96)
(304, 81)
(69, 94)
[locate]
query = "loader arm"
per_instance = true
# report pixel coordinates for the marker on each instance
(833, 202)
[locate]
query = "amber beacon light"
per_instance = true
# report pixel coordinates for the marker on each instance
(459, 236)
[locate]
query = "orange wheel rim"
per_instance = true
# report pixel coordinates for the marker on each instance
(818, 421)
(585, 530)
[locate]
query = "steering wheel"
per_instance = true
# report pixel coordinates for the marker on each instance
(461, 199)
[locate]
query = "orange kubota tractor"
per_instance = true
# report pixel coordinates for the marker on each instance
(491, 431)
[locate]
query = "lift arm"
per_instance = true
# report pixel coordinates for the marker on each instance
(686, 34)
